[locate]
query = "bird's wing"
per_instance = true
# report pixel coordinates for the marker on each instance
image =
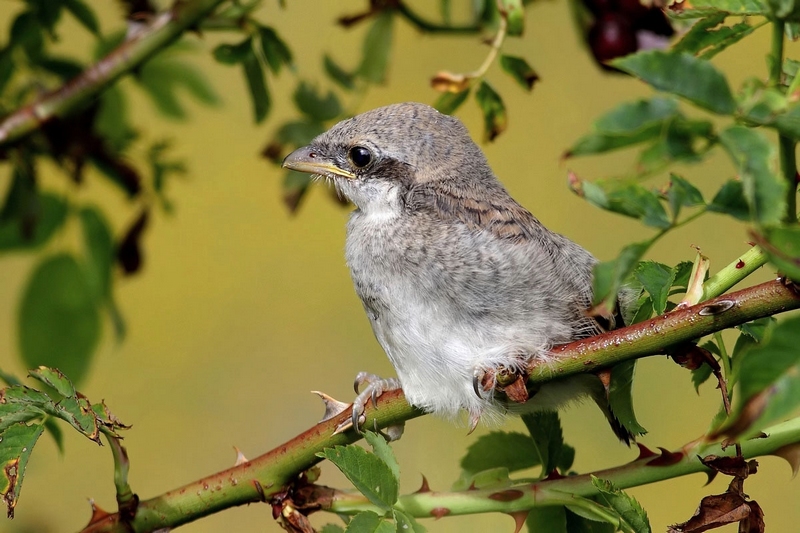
(486, 208)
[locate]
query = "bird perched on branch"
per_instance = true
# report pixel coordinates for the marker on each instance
(464, 288)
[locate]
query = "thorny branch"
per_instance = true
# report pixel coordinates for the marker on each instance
(270, 474)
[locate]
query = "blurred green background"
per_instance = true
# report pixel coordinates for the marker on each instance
(242, 309)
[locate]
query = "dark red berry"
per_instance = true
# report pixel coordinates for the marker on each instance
(612, 36)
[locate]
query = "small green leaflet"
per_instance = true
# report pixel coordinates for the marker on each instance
(367, 472)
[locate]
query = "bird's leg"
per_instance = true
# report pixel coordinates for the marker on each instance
(510, 380)
(375, 387)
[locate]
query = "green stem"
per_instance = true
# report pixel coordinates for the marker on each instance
(789, 171)
(165, 28)
(776, 53)
(743, 266)
(555, 492)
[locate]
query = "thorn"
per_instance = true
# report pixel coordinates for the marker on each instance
(605, 378)
(519, 519)
(240, 458)
(97, 513)
(554, 474)
(259, 490)
(333, 407)
(666, 458)
(425, 487)
(644, 452)
(791, 453)
(344, 426)
(711, 475)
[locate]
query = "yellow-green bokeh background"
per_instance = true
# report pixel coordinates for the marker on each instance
(242, 308)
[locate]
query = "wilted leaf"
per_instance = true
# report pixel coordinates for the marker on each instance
(681, 74)
(18, 442)
(129, 250)
(720, 509)
(495, 120)
(369, 473)
(59, 321)
(519, 69)
(450, 82)
(377, 48)
(755, 158)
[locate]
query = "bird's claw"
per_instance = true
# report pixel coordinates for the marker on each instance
(375, 387)
(477, 381)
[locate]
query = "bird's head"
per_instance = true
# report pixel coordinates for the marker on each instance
(375, 157)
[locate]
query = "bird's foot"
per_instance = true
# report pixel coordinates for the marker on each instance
(512, 381)
(375, 386)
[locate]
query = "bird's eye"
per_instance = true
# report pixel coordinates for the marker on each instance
(360, 156)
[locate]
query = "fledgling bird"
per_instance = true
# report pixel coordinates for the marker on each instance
(458, 280)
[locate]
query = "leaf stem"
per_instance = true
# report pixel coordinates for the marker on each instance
(776, 53)
(743, 266)
(432, 27)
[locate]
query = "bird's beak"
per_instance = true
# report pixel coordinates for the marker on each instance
(306, 159)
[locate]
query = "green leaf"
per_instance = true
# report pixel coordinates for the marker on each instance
(18, 442)
(628, 509)
(59, 323)
(64, 68)
(315, 106)
(783, 249)
(367, 472)
(382, 449)
(511, 450)
(705, 40)
(769, 380)
(299, 132)
(99, 251)
(377, 48)
(620, 397)
(448, 102)
(547, 519)
(343, 78)
(630, 199)
(681, 74)
(734, 7)
(495, 119)
(730, 200)
(406, 523)
(680, 194)
(43, 215)
(112, 122)
(83, 14)
(579, 524)
(163, 78)
(231, 54)
(657, 279)
(609, 275)
(55, 379)
(331, 528)
(515, 16)
(519, 69)
(369, 522)
(276, 52)
(548, 439)
(26, 32)
(755, 157)
(257, 84)
(627, 124)
(6, 67)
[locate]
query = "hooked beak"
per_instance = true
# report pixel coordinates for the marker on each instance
(307, 160)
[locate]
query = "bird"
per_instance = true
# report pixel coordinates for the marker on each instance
(464, 287)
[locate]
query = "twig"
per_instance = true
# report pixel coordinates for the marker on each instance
(269, 474)
(165, 28)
